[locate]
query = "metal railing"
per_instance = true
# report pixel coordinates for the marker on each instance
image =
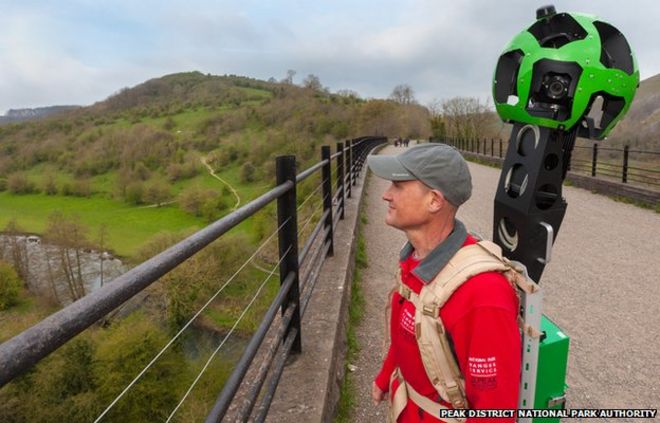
(629, 166)
(20, 353)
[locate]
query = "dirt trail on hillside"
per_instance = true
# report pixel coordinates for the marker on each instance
(601, 287)
(212, 173)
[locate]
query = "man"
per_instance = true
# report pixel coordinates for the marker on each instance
(428, 184)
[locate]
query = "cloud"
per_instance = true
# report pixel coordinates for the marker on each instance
(81, 51)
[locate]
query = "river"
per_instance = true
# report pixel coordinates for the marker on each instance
(45, 271)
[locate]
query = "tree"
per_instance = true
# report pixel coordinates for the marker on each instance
(50, 185)
(312, 82)
(169, 124)
(247, 172)
(102, 240)
(127, 348)
(348, 94)
(18, 183)
(465, 117)
(157, 193)
(18, 249)
(438, 124)
(10, 286)
(69, 237)
(403, 94)
(289, 77)
(135, 193)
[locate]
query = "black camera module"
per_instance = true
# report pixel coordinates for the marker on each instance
(556, 86)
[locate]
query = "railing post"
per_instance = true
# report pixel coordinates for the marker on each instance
(594, 160)
(326, 175)
(624, 173)
(287, 219)
(355, 157)
(357, 152)
(340, 180)
(500, 148)
(492, 149)
(349, 166)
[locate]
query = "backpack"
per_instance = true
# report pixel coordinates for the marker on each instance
(437, 356)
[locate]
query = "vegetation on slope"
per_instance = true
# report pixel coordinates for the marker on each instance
(127, 174)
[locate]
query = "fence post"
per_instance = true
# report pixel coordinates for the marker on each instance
(355, 157)
(357, 154)
(340, 180)
(288, 241)
(492, 147)
(349, 166)
(326, 175)
(500, 148)
(594, 160)
(624, 174)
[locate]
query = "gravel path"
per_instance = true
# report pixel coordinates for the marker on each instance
(601, 287)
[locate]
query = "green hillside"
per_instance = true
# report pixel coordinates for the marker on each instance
(145, 145)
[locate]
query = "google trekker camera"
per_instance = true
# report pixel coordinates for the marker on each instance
(566, 75)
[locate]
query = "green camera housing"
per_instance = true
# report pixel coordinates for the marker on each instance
(566, 69)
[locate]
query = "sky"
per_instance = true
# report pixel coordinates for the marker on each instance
(80, 52)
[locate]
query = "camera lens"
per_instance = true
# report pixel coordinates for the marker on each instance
(556, 87)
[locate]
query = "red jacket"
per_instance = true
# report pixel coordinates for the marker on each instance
(481, 320)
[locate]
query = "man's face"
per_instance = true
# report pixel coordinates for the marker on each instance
(408, 204)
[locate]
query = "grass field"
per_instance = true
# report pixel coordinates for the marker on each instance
(128, 227)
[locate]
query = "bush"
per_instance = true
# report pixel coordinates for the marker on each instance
(10, 286)
(157, 193)
(135, 193)
(50, 186)
(81, 188)
(18, 183)
(247, 173)
(126, 348)
(169, 124)
(200, 202)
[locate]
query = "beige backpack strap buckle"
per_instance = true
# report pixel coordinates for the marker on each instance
(430, 310)
(455, 394)
(405, 292)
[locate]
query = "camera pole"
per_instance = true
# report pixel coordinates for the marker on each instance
(528, 212)
(529, 206)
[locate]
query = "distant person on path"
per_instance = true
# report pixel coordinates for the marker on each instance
(428, 184)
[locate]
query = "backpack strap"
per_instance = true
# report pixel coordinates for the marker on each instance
(402, 391)
(437, 356)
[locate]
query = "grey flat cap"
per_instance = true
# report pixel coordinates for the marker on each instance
(439, 166)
